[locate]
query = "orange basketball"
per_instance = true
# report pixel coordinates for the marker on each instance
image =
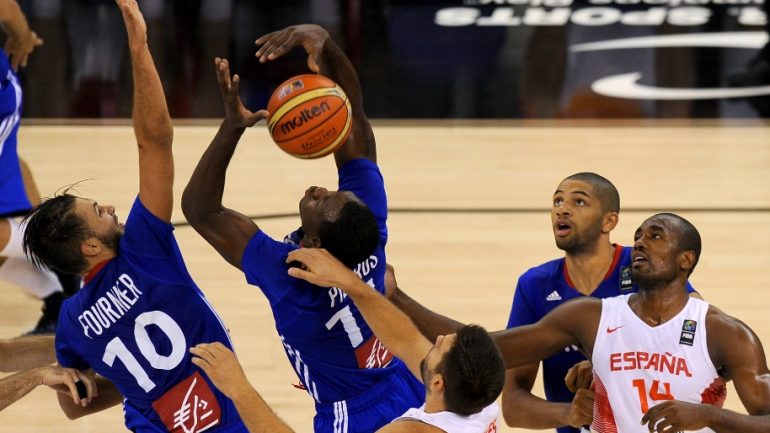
(310, 116)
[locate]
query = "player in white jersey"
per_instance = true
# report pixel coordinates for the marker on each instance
(463, 373)
(659, 356)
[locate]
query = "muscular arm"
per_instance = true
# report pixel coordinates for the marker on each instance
(222, 367)
(27, 352)
(152, 123)
(391, 325)
(572, 323)
(737, 353)
(226, 230)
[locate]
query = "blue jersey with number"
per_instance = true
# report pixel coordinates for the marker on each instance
(332, 349)
(545, 287)
(13, 196)
(134, 321)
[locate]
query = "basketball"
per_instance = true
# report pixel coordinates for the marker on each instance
(310, 116)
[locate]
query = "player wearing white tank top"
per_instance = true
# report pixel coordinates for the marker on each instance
(664, 372)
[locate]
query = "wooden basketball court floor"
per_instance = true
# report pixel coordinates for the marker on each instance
(469, 213)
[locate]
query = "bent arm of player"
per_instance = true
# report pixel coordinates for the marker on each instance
(430, 323)
(21, 40)
(523, 409)
(15, 387)
(107, 397)
(221, 366)
(572, 323)
(736, 351)
(27, 352)
(226, 230)
(389, 324)
(152, 123)
(326, 58)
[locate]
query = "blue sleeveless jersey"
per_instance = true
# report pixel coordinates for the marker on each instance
(134, 321)
(334, 353)
(13, 197)
(545, 287)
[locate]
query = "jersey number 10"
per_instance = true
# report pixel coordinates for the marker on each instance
(117, 349)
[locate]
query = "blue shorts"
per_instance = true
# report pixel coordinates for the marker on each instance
(13, 196)
(368, 412)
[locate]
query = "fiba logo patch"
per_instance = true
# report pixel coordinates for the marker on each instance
(626, 284)
(688, 332)
(290, 88)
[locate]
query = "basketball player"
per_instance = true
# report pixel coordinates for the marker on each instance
(462, 373)
(653, 346)
(34, 354)
(584, 211)
(356, 383)
(139, 310)
(17, 188)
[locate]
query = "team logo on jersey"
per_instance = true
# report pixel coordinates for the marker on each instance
(688, 332)
(626, 283)
(189, 407)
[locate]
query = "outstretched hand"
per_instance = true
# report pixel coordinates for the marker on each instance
(19, 47)
(221, 366)
(278, 43)
(235, 113)
(321, 268)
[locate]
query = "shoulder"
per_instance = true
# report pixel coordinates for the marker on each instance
(409, 425)
(729, 339)
(542, 273)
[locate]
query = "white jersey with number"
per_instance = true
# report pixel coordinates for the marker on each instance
(637, 366)
(480, 422)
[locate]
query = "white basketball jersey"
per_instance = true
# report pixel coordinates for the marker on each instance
(481, 422)
(637, 366)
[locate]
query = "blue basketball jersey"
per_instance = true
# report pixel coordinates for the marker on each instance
(13, 196)
(545, 287)
(133, 322)
(334, 353)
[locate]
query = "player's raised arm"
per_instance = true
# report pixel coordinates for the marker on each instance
(226, 230)
(388, 323)
(326, 58)
(152, 123)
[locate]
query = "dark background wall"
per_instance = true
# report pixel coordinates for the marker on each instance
(423, 59)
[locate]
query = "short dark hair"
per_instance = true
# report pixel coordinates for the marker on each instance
(687, 234)
(54, 233)
(353, 236)
(473, 371)
(605, 190)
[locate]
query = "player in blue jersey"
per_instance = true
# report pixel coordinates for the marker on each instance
(127, 322)
(357, 385)
(584, 212)
(18, 192)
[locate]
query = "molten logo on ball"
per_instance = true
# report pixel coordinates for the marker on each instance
(310, 116)
(305, 115)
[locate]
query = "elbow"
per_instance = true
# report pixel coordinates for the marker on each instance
(511, 411)
(191, 208)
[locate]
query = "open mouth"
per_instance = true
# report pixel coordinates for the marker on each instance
(562, 228)
(638, 259)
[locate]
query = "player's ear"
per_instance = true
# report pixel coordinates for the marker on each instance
(609, 222)
(687, 260)
(91, 247)
(437, 383)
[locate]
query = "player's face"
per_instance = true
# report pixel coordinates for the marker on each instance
(656, 252)
(576, 215)
(101, 220)
(435, 355)
(319, 205)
